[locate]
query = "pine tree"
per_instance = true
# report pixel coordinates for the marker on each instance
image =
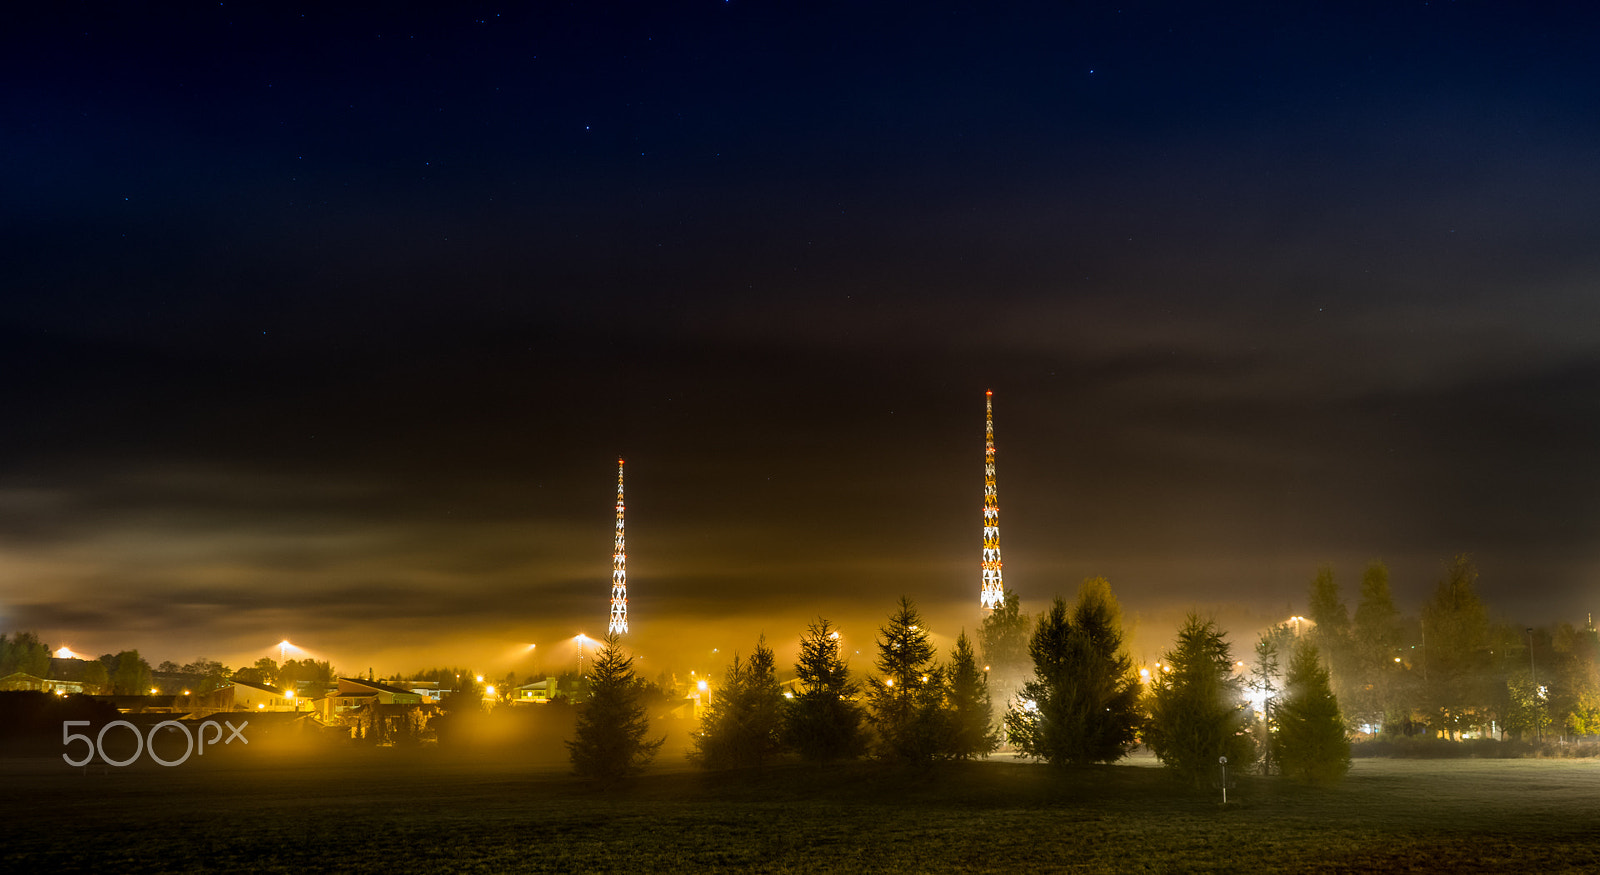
(906, 700)
(1266, 685)
(971, 714)
(609, 740)
(1331, 632)
(1003, 639)
(1197, 708)
(1082, 705)
(1456, 629)
(824, 722)
(1376, 632)
(742, 727)
(1310, 744)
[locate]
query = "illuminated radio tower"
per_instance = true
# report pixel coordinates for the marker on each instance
(619, 569)
(993, 592)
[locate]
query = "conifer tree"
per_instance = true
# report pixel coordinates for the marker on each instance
(1197, 708)
(1455, 627)
(1003, 638)
(824, 722)
(906, 700)
(743, 725)
(1310, 744)
(971, 714)
(1331, 632)
(1082, 705)
(1377, 636)
(609, 740)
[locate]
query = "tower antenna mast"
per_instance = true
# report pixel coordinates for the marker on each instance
(993, 591)
(619, 569)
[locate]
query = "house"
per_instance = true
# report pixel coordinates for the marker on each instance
(536, 692)
(376, 710)
(24, 681)
(246, 696)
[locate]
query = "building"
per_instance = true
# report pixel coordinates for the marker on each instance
(536, 692)
(246, 696)
(24, 681)
(375, 710)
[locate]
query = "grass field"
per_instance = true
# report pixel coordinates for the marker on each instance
(423, 811)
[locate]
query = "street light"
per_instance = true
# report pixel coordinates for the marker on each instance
(1533, 675)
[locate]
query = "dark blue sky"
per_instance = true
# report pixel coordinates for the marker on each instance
(330, 324)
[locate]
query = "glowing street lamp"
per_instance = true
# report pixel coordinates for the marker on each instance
(581, 639)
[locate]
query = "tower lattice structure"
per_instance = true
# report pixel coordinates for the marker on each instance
(619, 569)
(993, 591)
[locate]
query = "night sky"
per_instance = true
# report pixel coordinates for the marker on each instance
(331, 326)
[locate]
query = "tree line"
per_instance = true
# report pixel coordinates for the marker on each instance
(1081, 702)
(1450, 669)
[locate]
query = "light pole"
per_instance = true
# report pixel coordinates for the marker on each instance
(1533, 675)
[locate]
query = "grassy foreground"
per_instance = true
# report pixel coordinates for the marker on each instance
(383, 811)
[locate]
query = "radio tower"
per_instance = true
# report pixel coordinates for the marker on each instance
(619, 570)
(993, 592)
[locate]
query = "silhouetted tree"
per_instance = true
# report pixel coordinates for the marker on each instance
(465, 698)
(1197, 709)
(1330, 632)
(824, 722)
(972, 731)
(906, 700)
(1003, 639)
(1267, 683)
(265, 671)
(1456, 628)
(1310, 744)
(1083, 704)
(742, 726)
(131, 676)
(609, 739)
(1376, 634)
(24, 652)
